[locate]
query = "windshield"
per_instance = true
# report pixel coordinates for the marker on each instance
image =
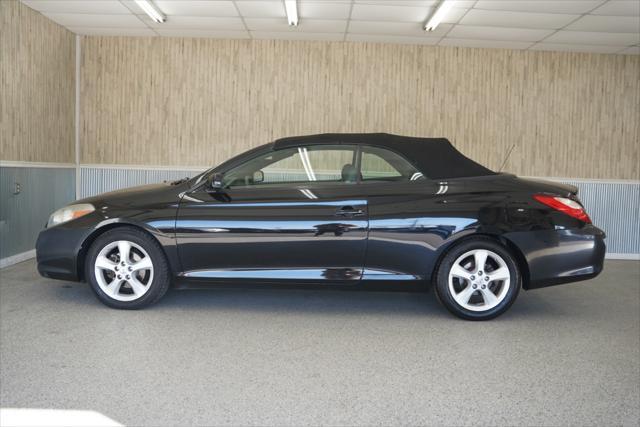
(196, 180)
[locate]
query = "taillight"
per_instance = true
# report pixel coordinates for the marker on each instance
(562, 204)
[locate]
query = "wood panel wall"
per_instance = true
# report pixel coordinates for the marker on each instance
(183, 101)
(37, 87)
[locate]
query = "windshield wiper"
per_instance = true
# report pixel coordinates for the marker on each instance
(179, 181)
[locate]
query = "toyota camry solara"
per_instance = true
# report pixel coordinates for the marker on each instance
(341, 211)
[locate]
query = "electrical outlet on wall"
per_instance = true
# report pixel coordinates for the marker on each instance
(17, 188)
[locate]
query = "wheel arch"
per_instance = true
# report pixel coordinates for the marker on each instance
(506, 243)
(88, 241)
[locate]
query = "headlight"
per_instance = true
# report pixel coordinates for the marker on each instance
(69, 212)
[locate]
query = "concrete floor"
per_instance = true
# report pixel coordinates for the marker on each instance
(567, 355)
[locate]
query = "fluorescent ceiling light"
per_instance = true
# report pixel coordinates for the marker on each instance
(291, 8)
(438, 15)
(151, 10)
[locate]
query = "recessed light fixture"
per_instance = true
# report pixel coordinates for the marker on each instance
(291, 8)
(438, 15)
(151, 10)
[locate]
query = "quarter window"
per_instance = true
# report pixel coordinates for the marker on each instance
(321, 163)
(379, 164)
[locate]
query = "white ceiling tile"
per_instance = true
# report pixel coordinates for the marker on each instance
(541, 6)
(454, 15)
(196, 23)
(611, 24)
(495, 44)
(393, 11)
(323, 9)
(377, 38)
(132, 6)
(497, 18)
(310, 25)
(396, 28)
(412, 3)
(87, 21)
(576, 48)
(217, 34)
(497, 33)
(111, 7)
(633, 50)
(261, 8)
(416, 3)
(296, 36)
(594, 38)
(197, 8)
(619, 8)
(370, 12)
(95, 31)
(464, 3)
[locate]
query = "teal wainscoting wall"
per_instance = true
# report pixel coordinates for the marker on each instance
(613, 205)
(41, 191)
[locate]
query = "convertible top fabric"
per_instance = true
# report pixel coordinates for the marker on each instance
(436, 158)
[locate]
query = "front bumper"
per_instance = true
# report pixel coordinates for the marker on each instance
(560, 256)
(57, 251)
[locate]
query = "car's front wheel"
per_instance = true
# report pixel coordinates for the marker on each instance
(127, 269)
(478, 280)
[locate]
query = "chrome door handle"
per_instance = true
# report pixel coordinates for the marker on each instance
(349, 211)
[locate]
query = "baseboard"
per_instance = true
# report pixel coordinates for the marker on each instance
(633, 257)
(14, 259)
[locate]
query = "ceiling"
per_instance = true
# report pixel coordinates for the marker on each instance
(599, 26)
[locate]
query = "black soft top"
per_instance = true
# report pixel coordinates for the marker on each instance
(436, 158)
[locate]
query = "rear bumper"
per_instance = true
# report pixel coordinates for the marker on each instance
(560, 256)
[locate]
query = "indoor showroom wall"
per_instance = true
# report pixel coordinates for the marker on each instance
(160, 108)
(37, 113)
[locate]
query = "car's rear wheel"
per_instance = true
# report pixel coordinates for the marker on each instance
(478, 280)
(127, 269)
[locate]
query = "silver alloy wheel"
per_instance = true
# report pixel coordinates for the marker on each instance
(479, 280)
(124, 270)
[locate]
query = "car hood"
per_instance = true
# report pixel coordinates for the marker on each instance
(140, 196)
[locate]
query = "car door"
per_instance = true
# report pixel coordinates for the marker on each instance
(285, 215)
(406, 220)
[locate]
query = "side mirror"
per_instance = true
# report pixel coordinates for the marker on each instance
(217, 181)
(258, 176)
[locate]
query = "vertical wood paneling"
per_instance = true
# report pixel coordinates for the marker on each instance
(37, 93)
(174, 101)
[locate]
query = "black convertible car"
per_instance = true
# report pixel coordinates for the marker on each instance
(348, 211)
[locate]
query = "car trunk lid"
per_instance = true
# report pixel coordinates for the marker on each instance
(565, 190)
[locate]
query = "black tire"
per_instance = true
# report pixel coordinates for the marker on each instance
(442, 279)
(157, 286)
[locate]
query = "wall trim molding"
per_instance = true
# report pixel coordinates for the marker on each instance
(204, 168)
(146, 167)
(586, 180)
(629, 257)
(20, 164)
(14, 259)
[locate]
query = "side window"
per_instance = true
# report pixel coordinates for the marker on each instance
(329, 163)
(379, 164)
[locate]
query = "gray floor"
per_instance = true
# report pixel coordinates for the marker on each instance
(563, 355)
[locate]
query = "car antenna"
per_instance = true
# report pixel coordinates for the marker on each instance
(506, 157)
